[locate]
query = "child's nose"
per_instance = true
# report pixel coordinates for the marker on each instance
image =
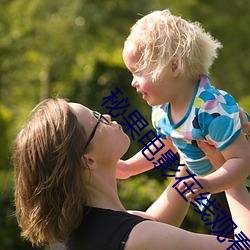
(134, 83)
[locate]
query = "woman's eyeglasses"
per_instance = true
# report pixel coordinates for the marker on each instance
(100, 118)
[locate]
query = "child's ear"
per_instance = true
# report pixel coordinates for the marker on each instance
(175, 66)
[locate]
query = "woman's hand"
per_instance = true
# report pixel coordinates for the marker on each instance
(245, 124)
(215, 156)
(196, 188)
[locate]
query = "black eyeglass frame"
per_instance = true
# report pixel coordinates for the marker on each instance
(100, 118)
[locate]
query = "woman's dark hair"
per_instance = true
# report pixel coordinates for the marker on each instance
(49, 180)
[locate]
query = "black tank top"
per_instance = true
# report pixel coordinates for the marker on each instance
(102, 229)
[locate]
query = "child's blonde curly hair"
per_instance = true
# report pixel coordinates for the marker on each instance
(161, 36)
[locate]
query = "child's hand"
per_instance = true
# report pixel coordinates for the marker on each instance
(194, 188)
(122, 170)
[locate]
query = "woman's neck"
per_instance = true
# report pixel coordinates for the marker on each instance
(102, 189)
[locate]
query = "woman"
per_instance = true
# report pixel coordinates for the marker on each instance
(65, 188)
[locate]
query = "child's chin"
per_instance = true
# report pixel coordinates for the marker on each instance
(152, 103)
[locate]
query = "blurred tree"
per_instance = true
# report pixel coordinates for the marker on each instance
(229, 23)
(244, 102)
(5, 123)
(51, 47)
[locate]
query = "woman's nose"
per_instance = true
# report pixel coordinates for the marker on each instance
(108, 117)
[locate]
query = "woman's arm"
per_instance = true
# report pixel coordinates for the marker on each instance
(160, 236)
(233, 161)
(234, 171)
(170, 207)
(239, 203)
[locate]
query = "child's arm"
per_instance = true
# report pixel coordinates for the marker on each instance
(138, 163)
(233, 172)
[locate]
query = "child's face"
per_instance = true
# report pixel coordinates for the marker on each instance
(154, 93)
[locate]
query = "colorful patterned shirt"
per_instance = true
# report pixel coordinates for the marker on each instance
(213, 115)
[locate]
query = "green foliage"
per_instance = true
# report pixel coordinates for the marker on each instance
(139, 192)
(5, 124)
(228, 22)
(74, 48)
(244, 102)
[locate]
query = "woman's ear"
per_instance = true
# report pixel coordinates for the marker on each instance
(175, 66)
(90, 161)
